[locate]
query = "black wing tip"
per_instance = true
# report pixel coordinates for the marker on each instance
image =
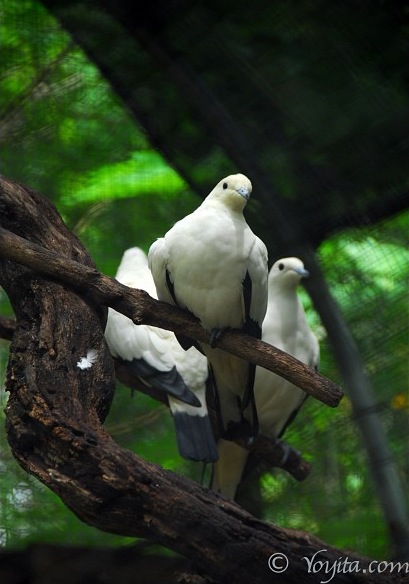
(248, 396)
(185, 395)
(252, 328)
(195, 438)
(170, 382)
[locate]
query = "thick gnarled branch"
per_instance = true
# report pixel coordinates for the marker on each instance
(265, 452)
(142, 309)
(54, 429)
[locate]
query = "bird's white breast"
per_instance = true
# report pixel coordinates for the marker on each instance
(209, 254)
(285, 326)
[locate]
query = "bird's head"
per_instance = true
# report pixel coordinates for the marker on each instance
(134, 256)
(133, 271)
(234, 191)
(133, 262)
(287, 272)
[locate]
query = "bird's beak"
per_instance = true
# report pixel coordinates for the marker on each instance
(302, 272)
(244, 192)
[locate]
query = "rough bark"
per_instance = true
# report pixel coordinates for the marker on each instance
(54, 416)
(265, 453)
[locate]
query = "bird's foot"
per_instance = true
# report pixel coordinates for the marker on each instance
(215, 336)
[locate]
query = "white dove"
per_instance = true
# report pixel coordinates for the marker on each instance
(212, 264)
(158, 360)
(277, 400)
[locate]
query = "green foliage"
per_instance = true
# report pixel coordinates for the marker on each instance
(69, 137)
(126, 179)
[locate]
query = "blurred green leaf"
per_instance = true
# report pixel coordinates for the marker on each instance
(144, 173)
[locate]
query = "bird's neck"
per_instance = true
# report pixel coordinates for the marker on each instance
(282, 314)
(233, 203)
(288, 302)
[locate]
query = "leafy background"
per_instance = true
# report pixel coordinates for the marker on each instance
(65, 133)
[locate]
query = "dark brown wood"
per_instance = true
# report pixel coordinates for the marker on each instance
(7, 326)
(264, 453)
(54, 415)
(268, 454)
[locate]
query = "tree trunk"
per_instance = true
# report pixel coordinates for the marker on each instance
(54, 416)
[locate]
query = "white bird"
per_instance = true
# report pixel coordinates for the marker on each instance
(277, 400)
(211, 264)
(158, 360)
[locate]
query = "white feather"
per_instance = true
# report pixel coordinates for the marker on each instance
(87, 361)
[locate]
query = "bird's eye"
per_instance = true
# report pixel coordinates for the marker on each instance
(281, 266)
(225, 185)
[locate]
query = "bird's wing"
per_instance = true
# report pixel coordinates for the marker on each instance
(315, 353)
(145, 349)
(156, 358)
(194, 432)
(158, 260)
(255, 296)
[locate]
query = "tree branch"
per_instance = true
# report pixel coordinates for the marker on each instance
(142, 309)
(54, 429)
(265, 453)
